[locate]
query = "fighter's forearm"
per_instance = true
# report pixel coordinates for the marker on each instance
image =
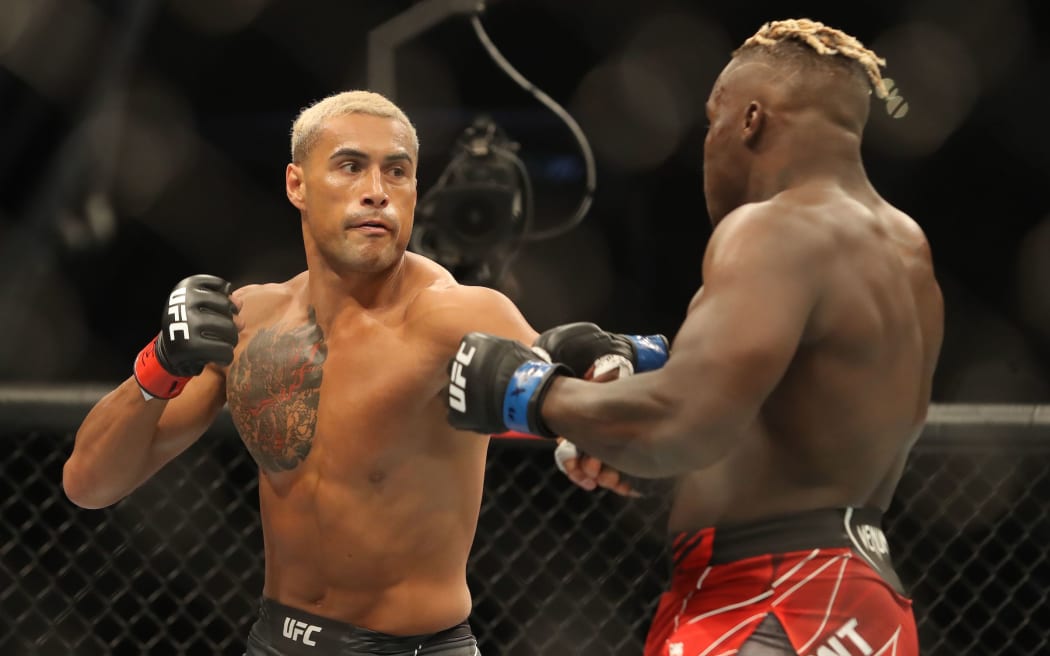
(633, 424)
(112, 447)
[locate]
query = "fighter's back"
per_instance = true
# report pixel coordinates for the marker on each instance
(836, 429)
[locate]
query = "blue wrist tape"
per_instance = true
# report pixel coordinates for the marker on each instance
(520, 389)
(651, 351)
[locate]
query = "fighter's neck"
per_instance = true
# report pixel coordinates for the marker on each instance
(794, 162)
(330, 293)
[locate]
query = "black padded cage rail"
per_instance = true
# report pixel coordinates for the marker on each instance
(176, 568)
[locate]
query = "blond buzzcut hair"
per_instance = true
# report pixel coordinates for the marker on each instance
(307, 126)
(822, 40)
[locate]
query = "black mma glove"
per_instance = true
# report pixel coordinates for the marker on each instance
(498, 385)
(197, 328)
(580, 345)
(583, 345)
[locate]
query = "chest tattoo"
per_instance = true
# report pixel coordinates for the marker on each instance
(275, 387)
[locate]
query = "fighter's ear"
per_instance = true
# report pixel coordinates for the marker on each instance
(754, 121)
(295, 185)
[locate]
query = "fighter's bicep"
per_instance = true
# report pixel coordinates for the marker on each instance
(745, 328)
(732, 340)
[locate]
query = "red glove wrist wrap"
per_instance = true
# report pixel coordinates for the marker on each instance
(153, 378)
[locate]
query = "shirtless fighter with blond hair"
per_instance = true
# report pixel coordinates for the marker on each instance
(336, 382)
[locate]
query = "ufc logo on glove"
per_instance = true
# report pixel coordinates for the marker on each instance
(177, 310)
(457, 394)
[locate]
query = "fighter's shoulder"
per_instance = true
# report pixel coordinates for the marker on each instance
(770, 228)
(907, 231)
(263, 298)
(448, 297)
(442, 306)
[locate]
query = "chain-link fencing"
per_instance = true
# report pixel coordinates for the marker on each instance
(177, 567)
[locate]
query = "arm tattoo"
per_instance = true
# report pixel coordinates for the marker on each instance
(276, 387)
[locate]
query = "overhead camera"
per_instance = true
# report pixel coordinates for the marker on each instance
(473, 219)
(479, 213)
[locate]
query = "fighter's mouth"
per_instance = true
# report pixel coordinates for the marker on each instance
(370, 224)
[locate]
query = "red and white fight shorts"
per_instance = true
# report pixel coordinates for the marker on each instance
(818, 583)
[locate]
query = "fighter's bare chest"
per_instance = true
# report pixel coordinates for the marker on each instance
(291, 384)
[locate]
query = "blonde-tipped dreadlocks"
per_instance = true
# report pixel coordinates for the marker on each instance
(825, 41)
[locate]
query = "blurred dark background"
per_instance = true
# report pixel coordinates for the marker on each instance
(146, 141)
